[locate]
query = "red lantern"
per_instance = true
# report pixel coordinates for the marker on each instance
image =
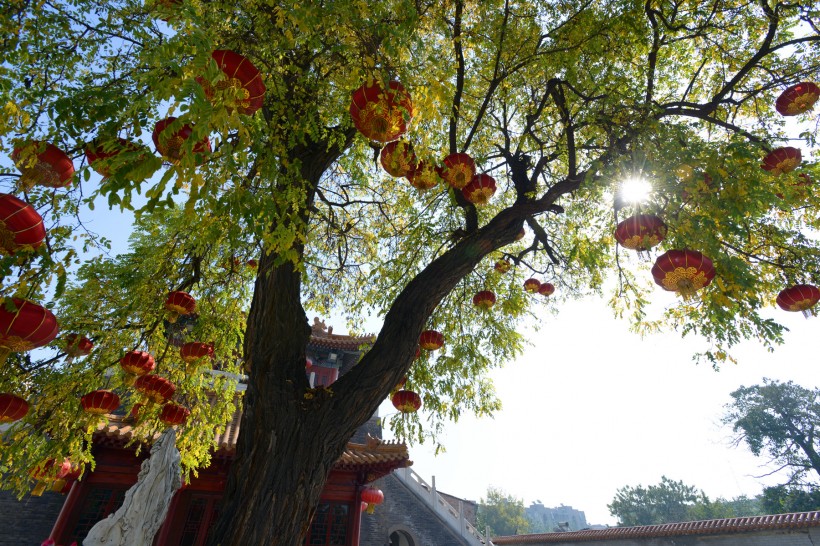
(253, 264)
(194, 350)
(173, 414)
(242, 77)
(502, 266)
(425, 176)
(136, 364)
(179, 303)
(136, 410)
(12, 408)
(406, 401)
(398, 158)
(459, 170)
(640, 232)
(684, 271)
(532, 285)
(170, 145)
(800, 187)
(43, 474)
(417, 354)
(484, 299)
(100, 402)
(480, 189)
(77, 345)
(99, 155)
(156, 388)
(430, 340)
(372, 497)
(800, 297)
(26, 328)
(44, 164)
(381, 115)
(797, 99)
(782, 160)
(21, 227)
(546, 289)
(520, 234)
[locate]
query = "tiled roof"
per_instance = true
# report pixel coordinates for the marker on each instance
(341, 342)
(704, 527)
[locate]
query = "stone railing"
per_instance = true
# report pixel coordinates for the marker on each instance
(453, 517)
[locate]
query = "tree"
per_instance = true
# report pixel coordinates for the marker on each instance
(782, 499)
(669, 501)
(503, 513)
(558, 101)
(779, 419)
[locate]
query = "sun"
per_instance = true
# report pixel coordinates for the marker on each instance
(634, 190)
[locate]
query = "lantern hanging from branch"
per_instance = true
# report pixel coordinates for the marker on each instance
(100, 402)
(174, 414)
(21, 227)
(782, 160)
(193, 351)
(484, 299)
(406, 401)
(136, 364)
(532, 285)
(480, 189)
(12, 408)
(155, 388)
(425, 176)
(640, 232)
(136, 411)
(683, 271)
(243, 83)
(797, 99)
(47, 478)
(381, 114)
(431, 340)
(502, 266)
(77, 345)
(170, 144)
(800, 297)
(372, 497)
(459, 169)
(179, 303)
(100, 154)
(25, 327)
(398, 158)
(546, 289)
(43, 164)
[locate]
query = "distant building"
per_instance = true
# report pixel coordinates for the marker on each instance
(559, 519)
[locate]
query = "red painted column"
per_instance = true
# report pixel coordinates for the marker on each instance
(68, 507)
(356, 517)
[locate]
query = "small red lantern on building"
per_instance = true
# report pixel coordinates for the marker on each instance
(640, 232)
(398, 158)
(21, 227)
(406, 401)
(174, 414)
(532, 285)
(193, 351)
(179, 303)
(425, 176)
(170, 144)
(480, 189)
(683, 271)
(431, 340)
(800, 297)
(43, 164)
(381, 114)
(459, 170)
(372, 497)
(242, 77)
(100, 402)
(77, 345)
(136, 364)
(797, 99)
(782, 160)
(155, 388)
(546, 289)
(502, 266)
(99, 154)
(26, 327)
(12, 408)
(484, 299)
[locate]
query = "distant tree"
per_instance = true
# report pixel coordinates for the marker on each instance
(779, 419)
(502, 513)
(721, 508)
(782, 499)
(665, 502)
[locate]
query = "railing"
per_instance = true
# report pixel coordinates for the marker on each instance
(453, 517)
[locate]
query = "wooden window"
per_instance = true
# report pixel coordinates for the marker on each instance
(330, 526)
(100, 501)
(201, 513)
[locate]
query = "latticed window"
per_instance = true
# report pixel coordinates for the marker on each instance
(330, 525)
(100, 501)
(202, 513)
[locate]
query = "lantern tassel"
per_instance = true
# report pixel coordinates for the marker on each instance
(371, 508)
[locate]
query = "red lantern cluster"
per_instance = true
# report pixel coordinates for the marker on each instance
(26, 327)
(479, 189)
(77, 345)
(174, 414)
(12, 408)
(43, 164)
(100, 402)
(532, 285)
(170, 145)
(136, 364)
(782, 160)
(459, 169)
(546, 289)
(155, 388)
(431, 340)
(640, 232)
(179, 303)
(242, 77)
(406, 401)
(372, 497)
(21, 227)
(797, 99)
(683, 271)
(194, 350)
(800, 297)
(398, 158)
(381, 114)
(484, 299)
(425, 176)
